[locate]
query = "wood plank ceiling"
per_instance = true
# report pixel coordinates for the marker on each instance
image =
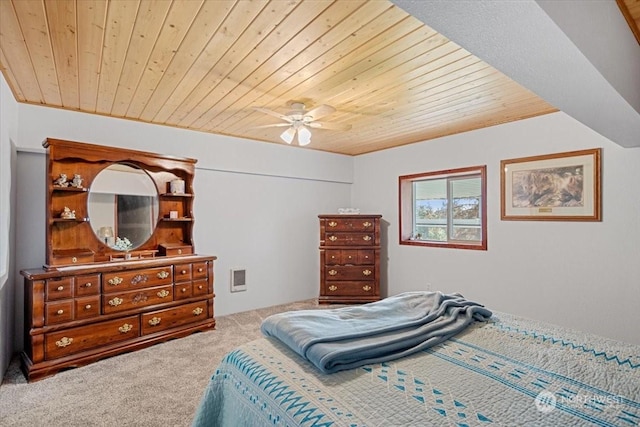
(203, 65)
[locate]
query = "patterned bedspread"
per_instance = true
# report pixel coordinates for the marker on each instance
(505, 372)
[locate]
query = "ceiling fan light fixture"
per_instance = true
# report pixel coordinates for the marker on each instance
(304, 136)
(287, 135)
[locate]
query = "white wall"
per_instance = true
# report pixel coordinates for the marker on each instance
(583, 275)
(8, 129)
(256, 204)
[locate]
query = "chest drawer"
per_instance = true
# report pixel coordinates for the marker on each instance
(115, 282)
(349, 257)
(349, 239)
(339, 272)
(74, 340)
(58, 312)
(59, 289)
(130, 300)
(345, 289)
(161, 320)
(349, 224)
(87, 285)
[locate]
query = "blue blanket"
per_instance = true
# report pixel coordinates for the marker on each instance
(349, 337)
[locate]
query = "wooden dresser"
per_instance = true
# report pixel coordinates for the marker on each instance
(78, 315)
(120, 269)
(349, 258)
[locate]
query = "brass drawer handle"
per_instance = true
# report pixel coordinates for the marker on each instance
(333, 238)
(333, 288)
(64, 341)
(366, 224)
(87, 307)
(366, 238)
(179, 251)
(200, 270)
(154, 321)
(87, 285)
(163, 293)
(200, 287)
(366, 288)
(184, 290)
(198, 311)
(163, 274)
(74, 260)
(125, 328)
(115, 281)
(332, 223)
(332, 272)
(60, 311)
(61, 288)
(183, 272)
(366, 272)
(115, 302)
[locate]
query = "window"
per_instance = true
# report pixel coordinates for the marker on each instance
(444, 209)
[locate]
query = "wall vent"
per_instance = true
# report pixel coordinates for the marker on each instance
(238, 280)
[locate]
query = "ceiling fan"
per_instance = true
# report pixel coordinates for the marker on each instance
(299, 120)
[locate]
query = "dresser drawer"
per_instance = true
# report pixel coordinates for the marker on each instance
(58, 312)
(59, 289)
(87, 307)
(115, 282)
(170, 318)
(199, 270)
(349, 224)
(130, 300)
(349, 239)
(338, 272)
(348, 289)
(74, 340)
(182, 272)
(87, 285)
(182, 290)
(200, 287)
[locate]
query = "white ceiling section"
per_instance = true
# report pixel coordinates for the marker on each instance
(576, 55)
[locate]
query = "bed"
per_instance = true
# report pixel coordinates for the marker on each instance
(504, 370)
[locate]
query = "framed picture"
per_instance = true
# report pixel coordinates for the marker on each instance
(552, 187)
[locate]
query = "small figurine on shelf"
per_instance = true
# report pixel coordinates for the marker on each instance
(122, 244)
(62, 181)
(68, 213)
(77, 181)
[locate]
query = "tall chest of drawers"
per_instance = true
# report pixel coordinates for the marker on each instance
(349, 258)
(77, 315)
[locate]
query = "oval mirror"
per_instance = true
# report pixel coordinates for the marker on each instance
(123, 206)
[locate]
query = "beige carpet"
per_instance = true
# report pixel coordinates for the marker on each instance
(157, 386)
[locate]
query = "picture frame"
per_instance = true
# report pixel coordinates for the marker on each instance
(552, 187)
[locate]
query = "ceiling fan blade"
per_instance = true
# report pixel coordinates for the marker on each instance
(273, 113)
(273, 125)
(320, 111)
(327, 125)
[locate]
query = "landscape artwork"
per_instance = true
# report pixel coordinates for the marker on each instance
(553, 187)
